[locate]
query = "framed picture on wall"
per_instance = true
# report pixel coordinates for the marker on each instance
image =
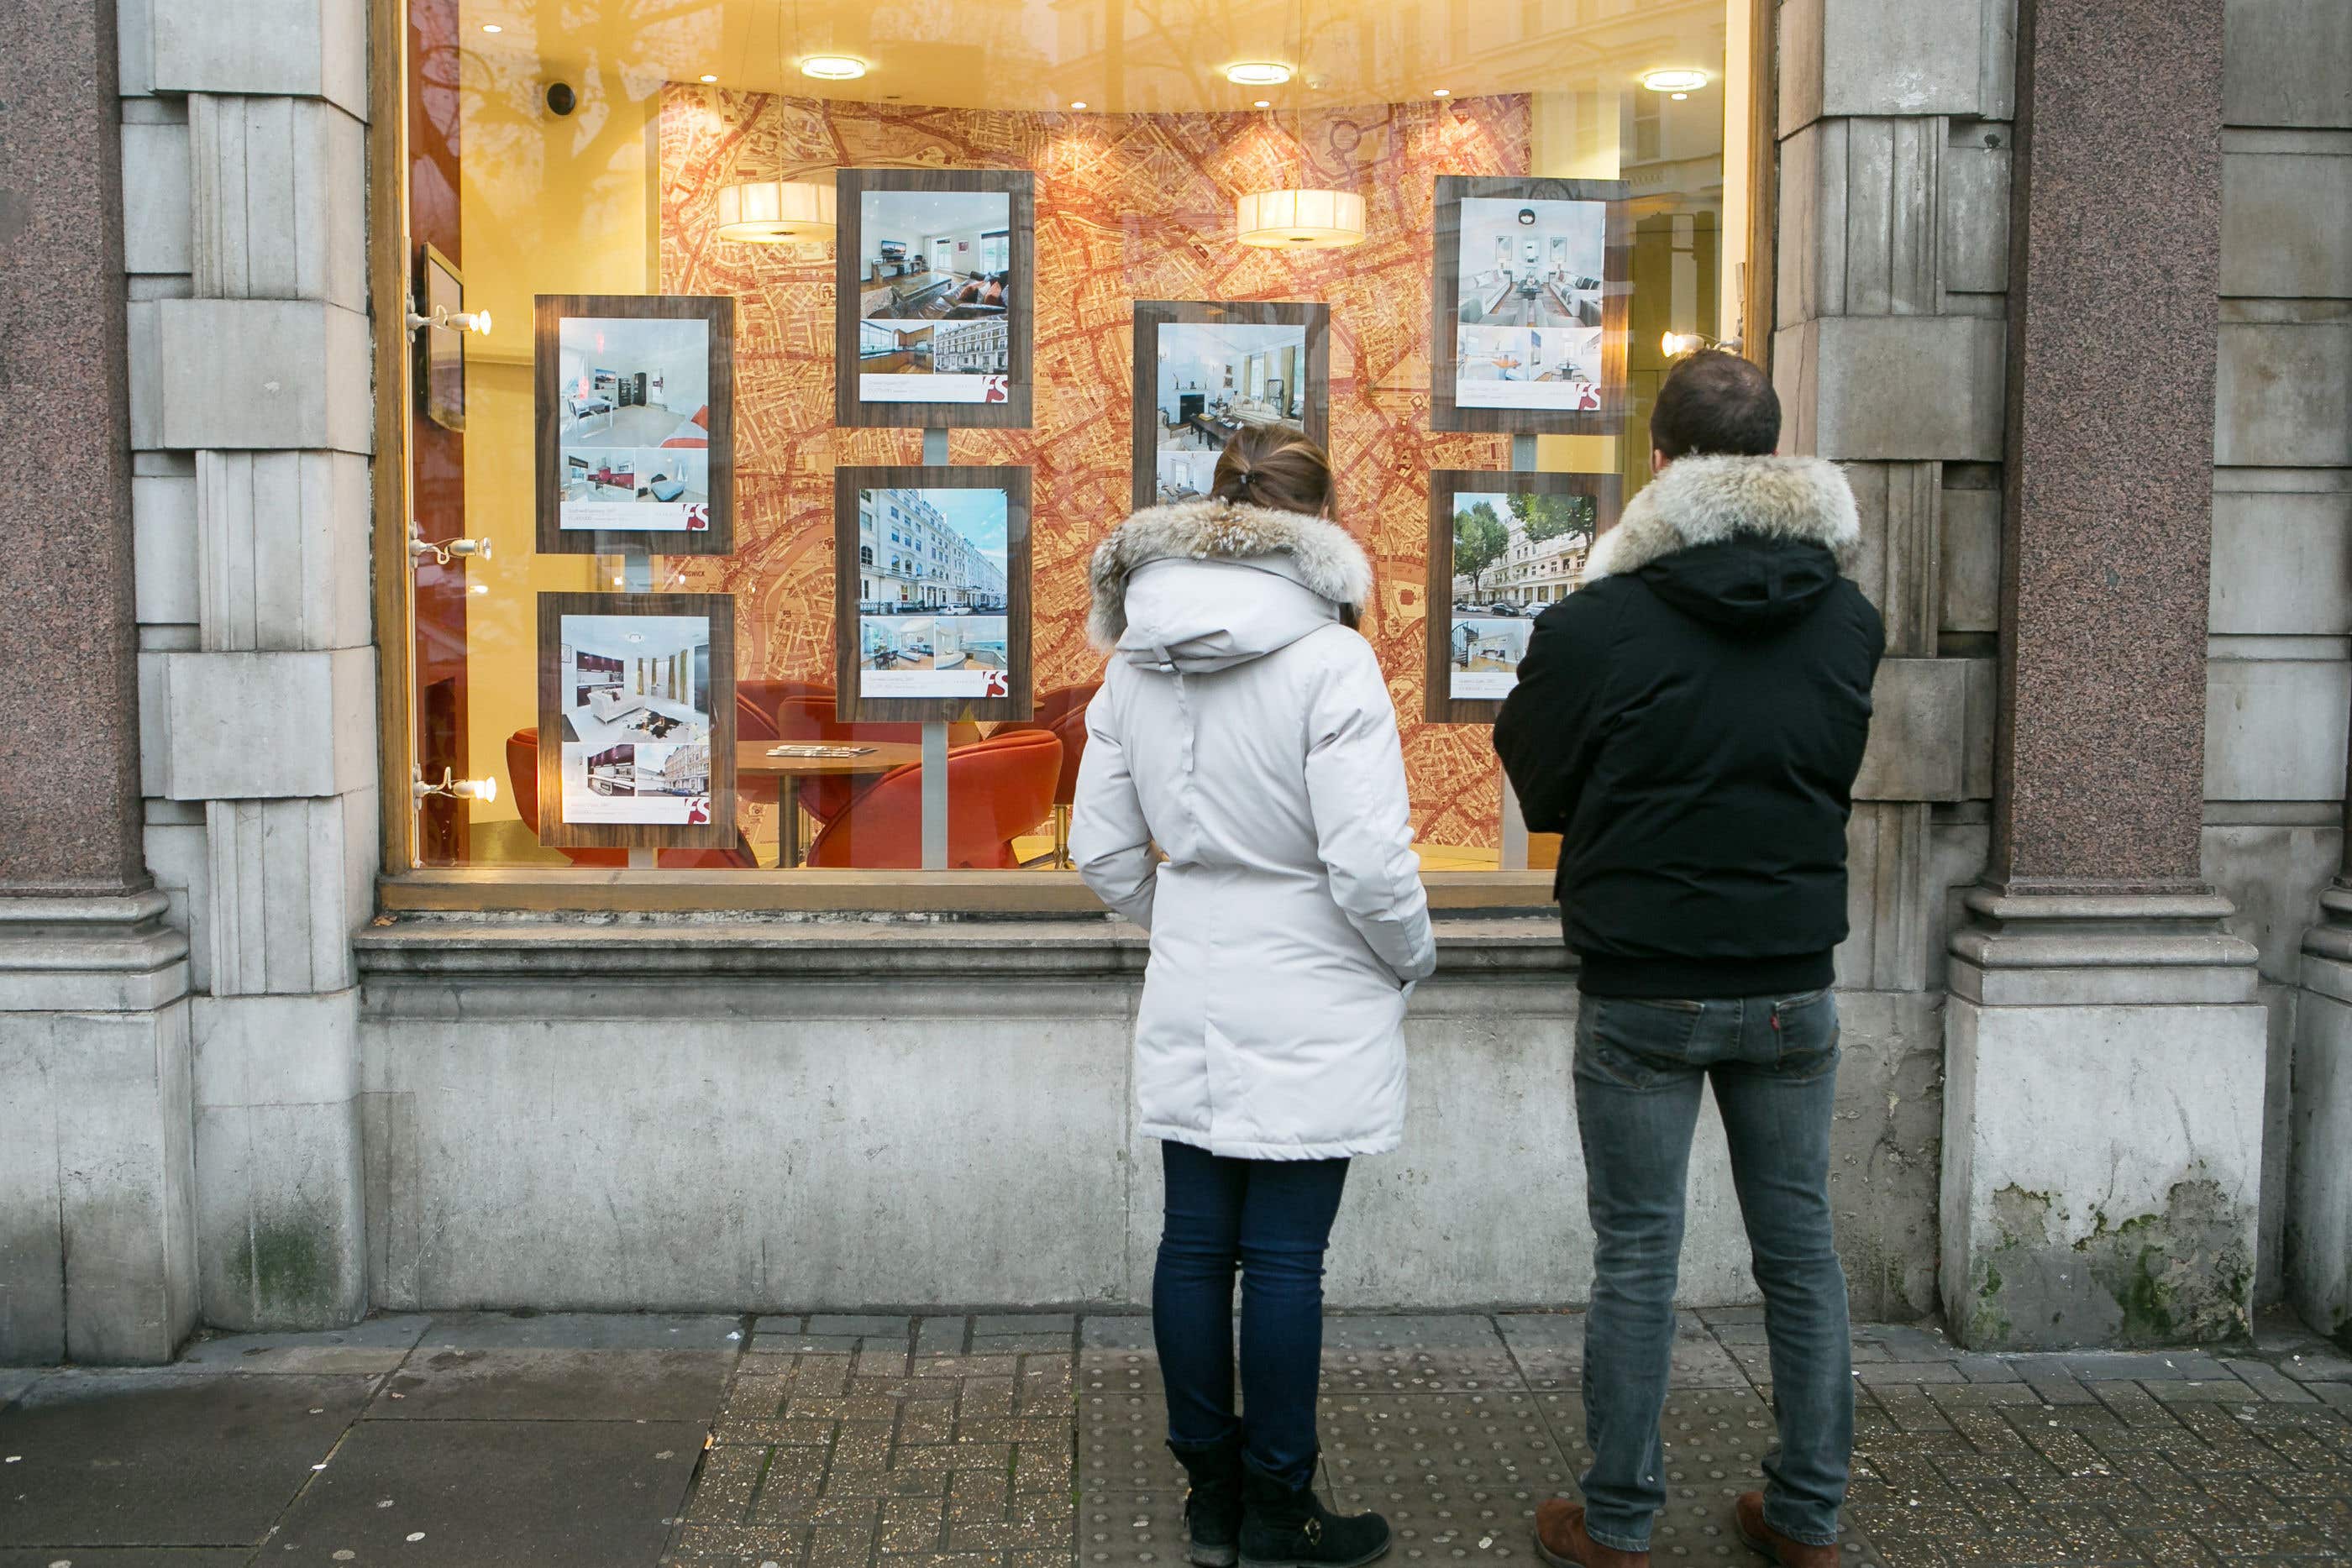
(1532, 303)
(441, 377)
(935, 270)
(1503, 548)
(637, 720)
(1204, 371)
(931, 594)
(634, 397)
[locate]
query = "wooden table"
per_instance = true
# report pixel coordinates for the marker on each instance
(752, 762)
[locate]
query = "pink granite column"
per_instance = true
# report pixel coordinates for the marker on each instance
(68, 670)
(2112, 335)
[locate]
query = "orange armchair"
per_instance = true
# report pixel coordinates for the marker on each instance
(522, 778)
(1062, 714)
(997, 789)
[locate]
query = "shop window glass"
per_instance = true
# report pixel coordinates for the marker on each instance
(593, 154)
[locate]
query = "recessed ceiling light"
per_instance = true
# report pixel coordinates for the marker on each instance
(1077, 103)
(1679, 97)
(1443, 92)
(833, 67)
(1257, 73)
(707, 76)
(1675, 80)
(492, 27)
(1265, 103)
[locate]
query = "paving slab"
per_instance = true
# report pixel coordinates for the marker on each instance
(1548, 1346)
(128, 1557)
(1123, 1332)
(374, 1345)
(941, 1336)
(163, 1458)
(581, 1331)
(462, 1494)
(862, 1327)
(1025, 1322)
(556, 1385)
(14, 1380)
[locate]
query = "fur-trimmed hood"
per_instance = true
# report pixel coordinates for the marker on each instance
(1286, 552)
(1707, 500)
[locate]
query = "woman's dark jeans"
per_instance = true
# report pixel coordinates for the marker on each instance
(1272, 1218)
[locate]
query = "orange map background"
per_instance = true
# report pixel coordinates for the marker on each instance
(1129, 207)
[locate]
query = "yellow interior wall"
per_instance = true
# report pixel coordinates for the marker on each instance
(1575, 137)
(549, 204)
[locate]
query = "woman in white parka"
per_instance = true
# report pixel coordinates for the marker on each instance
(1245, 730)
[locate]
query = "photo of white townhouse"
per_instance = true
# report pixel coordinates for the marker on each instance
(931, 550)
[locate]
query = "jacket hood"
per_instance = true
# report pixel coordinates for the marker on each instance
(1748, 543)
(1203, 585)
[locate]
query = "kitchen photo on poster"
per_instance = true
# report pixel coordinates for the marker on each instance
(632, 423)
(933, 605)
(1515, 554)
(1528, 336)
(636, 709)
(1215, 379)
(935, 295)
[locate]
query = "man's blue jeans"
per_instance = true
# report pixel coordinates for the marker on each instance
(1271, 1218)
(1773, 1064)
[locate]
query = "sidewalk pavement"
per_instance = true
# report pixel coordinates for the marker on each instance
(1033, 1441)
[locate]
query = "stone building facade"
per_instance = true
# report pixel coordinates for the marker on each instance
(2097, 998)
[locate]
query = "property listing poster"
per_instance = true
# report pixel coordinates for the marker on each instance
(935, 295)
(1214, 381)
(1514, 553)
(635, 708)
(633, 424)
(1531, 301)
(933, 611)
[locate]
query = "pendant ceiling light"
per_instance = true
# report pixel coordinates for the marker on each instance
(778, 211)
(1299, 217)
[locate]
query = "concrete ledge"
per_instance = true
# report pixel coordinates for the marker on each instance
(664, 951)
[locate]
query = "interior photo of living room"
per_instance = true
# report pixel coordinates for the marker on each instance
(1530, 287)
(935, 255)
(635, 717)
(1214, 380)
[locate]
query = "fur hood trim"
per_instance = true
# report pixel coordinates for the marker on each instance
(1705, 500)
(1328, 561)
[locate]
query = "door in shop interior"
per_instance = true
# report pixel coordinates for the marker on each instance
(943, 256)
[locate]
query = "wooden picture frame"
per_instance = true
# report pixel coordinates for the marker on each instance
(557, 406)
(440, 349)
(854, 702)
(852, 409)
(1445, 410)
(719, 697)
(1153, 317)
(1605, 491)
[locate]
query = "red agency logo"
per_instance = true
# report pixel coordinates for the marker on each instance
(997, 685)
(697, 517)
(698, 811)
(997, 389)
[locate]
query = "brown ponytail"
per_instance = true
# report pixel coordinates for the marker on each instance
(1274, 466)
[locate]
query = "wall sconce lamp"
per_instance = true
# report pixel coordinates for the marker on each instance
(485, 790)
(1676, 344)
(455, 321)
(443, 552)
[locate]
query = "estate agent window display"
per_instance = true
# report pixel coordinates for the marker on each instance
(934, 321)
(1502, 546)
(634, 419)
(1205, 371)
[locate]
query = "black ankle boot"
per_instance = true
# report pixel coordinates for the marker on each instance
(1212, 1509)
(1288, 1527)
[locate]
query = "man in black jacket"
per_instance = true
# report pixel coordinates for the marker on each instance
(1690, 721)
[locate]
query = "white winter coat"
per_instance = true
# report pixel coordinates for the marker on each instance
(1247, 734)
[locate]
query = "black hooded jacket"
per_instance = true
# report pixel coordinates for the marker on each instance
(1691, 721)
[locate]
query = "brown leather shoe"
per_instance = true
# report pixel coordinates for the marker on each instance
(1760, 1537)
(1561, 1540)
